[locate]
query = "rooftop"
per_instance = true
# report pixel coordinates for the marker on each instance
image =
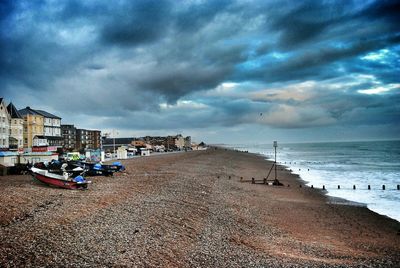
(46, 114)
(13, 111)
(28, 110)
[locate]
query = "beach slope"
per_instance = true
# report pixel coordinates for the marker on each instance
(189, 209)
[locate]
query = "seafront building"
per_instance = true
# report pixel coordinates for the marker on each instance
(52, 129)
(36, 135)
(188, 142)
(87, 139)
(4, 126)
(156, 143)
(41, 129)
(33, 125)
(111, 144)
(69, 135)
(179, 142)
(79, 139)
(16, 140)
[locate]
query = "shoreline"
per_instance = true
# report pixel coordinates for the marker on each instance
(189, 210)
(331, 198)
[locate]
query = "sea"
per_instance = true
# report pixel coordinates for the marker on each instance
(348, 164)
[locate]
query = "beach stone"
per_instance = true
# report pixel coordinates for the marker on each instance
(173, 211)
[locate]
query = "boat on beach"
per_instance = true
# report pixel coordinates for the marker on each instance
(60, 168)
(98, 169)
(65, 180)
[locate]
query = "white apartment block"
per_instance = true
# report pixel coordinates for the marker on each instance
(52, 124)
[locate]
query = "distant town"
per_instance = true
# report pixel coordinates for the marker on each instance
(33, 135)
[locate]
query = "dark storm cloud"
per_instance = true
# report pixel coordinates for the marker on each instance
(127, 57)
(311, 21)
(219, 112)
(176, 83)
(387, 10)
(312, 63)
(303, 22)
(31, 51)
(137, 22)
(188, 73)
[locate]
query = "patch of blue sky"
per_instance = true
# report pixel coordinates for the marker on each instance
(383, 56)
(259, 62)
(248, 86)
(376, 56)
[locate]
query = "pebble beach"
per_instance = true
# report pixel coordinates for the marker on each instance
(190, 209)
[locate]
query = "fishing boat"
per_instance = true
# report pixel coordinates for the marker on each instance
(60, 168)
(98, 169)
(60, 180)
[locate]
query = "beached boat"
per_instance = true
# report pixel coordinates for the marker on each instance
(98, 169)
(60, 168)
(64, 181)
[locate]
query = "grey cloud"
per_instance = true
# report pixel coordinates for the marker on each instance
(312, 22)
(176, 79)
(176, 83)
(31, 51)
(299, 24)
(134, 55)
(311, 63)
(193, 17)
(355, 109)
(324, 105)
(137, 22)
(94, 66)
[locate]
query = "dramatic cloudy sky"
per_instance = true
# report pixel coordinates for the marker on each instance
(220, 71)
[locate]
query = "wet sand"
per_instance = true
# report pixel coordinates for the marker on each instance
(189, 210)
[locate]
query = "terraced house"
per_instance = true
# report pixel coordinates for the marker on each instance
(16, 141)
(4, 126)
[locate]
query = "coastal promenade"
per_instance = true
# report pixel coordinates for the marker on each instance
(189, 210)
